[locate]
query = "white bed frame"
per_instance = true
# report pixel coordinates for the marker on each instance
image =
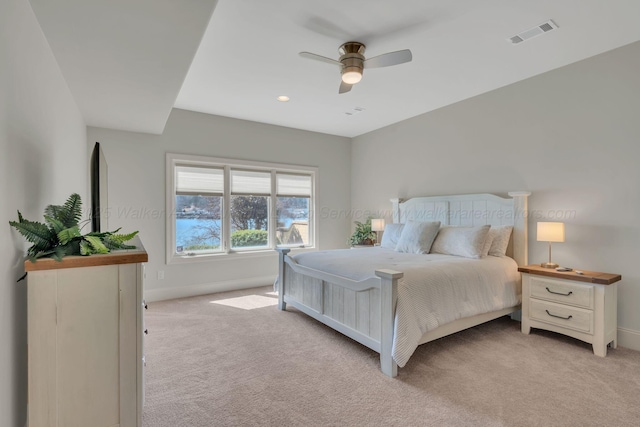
(365, 310)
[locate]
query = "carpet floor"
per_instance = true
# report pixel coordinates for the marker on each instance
(233, 359)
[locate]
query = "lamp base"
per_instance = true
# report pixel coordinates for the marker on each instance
(549, 265)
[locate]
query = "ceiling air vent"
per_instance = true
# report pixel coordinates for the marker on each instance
(545, 27)
(354, 111)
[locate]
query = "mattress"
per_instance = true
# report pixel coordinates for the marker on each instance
(435, 290)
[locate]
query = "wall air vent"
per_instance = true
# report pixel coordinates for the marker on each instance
(545, 27)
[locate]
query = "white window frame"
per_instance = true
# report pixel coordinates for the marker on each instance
(173, 160)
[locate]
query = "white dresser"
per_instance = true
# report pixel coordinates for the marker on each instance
(582, 306)
(85, 340)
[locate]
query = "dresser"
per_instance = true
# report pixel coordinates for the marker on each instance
(582, 306)
(85, 340)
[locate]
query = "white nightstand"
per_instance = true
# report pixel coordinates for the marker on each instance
(580, 306)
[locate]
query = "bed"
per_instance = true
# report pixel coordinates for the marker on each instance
(376, 297)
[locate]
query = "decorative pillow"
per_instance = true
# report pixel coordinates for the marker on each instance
(391, 235)
(501, 235)
(487, 243)
(467, 242)
(417, 237)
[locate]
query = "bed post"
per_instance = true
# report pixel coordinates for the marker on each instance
(282, 253)
(520, 227)
(388, 298)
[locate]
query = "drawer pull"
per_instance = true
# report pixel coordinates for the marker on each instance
(558, 293)
(559, 317)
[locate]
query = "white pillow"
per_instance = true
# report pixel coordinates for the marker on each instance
(501, 235)
(467, 242)
(417, 237)
(391, 235)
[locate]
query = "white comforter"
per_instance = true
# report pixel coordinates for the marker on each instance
(435, 290)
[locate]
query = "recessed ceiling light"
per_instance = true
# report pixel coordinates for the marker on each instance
(283, 98)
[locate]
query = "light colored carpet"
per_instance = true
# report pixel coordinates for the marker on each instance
(210, 364)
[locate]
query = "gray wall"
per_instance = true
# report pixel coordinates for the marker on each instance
(570, 136)
(136, 164)
(43, 159)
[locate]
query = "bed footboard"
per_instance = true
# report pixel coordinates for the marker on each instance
(362, 310)
(389, 296)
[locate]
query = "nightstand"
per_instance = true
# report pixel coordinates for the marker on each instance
(582, 306)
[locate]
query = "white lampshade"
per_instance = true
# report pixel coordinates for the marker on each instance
(550, 232)
(377, 224)
(351, 76)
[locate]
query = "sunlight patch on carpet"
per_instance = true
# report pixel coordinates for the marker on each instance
(248, 302)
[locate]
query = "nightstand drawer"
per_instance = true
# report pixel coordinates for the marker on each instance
(574, 318)
(562, 291)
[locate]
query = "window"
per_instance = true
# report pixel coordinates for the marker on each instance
(250, 201)
(222, 206)
(198, 209)
(293, 194)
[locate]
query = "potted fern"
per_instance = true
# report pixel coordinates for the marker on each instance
(60, 234)
(363, 235)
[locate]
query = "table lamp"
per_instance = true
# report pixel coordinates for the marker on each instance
(550, 232)
(377, 225)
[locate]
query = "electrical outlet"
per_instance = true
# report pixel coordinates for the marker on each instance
(160, 274)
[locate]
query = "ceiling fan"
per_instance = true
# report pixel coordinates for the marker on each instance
(352, 62)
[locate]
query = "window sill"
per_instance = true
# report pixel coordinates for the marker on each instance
(235, 255)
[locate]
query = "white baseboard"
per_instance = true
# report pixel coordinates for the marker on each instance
(151, 295)
(629, 338)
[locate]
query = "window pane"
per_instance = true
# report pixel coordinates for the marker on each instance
(249, 221)
(293, 221)
(293, 185)
(199, 180)
(198, 224)
(250, 182)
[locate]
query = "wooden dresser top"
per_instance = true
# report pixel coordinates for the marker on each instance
(127, 256)
(587, 276)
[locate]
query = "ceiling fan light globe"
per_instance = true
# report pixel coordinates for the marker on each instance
(351, 77)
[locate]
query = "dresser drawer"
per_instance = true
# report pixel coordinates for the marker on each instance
(562, 291)
(568, 317)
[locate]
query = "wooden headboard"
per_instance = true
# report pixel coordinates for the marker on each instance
(472, 210)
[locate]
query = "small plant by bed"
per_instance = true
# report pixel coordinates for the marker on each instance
(363, 235)
(60, 235)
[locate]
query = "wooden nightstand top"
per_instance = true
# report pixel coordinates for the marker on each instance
(588, 276)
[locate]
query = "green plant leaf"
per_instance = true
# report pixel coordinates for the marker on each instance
(58, 253)
(116, 241)
(69, 213)
(33, 257)
(68, 234)
(96, 244)
(53, 211)
(37, 233)
(54, 224)
(86, 248)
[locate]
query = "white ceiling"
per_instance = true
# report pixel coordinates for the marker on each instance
(125, 60)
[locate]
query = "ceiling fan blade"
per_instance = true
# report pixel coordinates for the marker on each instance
(320, 58)
(344, 87)
(388, 59)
